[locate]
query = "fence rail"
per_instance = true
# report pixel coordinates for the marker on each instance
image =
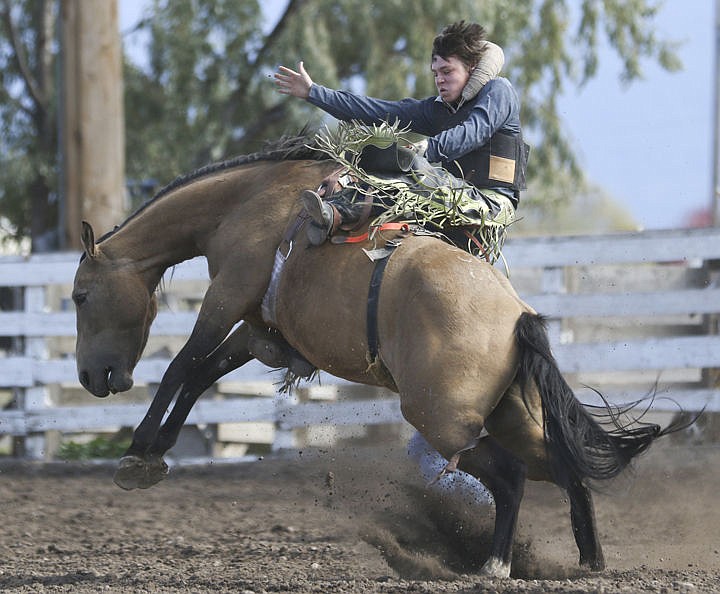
(606, 323)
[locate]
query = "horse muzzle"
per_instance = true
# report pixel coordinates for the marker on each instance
(108, 381)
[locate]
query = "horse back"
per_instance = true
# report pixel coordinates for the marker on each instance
(431, 294)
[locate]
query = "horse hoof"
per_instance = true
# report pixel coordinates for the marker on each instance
(135, 472)
(495, 568)
(593, 565)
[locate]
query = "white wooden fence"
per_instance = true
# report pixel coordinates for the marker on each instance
(625, 310)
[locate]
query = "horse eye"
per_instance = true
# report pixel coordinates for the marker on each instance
(79, 298)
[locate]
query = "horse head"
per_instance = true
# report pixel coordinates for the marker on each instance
(115, 308)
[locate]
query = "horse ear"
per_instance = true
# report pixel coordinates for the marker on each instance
(88, 240)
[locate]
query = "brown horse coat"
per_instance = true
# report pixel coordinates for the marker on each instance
(463, 351)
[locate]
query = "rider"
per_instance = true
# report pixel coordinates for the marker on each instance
(458, 85)
(473, 127)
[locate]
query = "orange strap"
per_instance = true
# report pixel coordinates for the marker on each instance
(340, 239)
(480, 247)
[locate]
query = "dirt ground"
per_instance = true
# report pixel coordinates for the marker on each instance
(355, 520)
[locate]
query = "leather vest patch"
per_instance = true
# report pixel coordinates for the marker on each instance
(501, 162)
(501, 169)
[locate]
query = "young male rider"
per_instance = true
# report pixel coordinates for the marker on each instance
(473, 127)
(463, 63)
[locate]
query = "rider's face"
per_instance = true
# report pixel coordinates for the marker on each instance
(451, 75)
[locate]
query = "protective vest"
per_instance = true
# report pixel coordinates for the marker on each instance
(499, 163)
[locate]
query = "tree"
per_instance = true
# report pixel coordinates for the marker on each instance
(204, 93)
(93, 126)
(28, 120)
(210, 62)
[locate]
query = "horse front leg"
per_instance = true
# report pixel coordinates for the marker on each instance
(138, 469)
(230, 355)
(144, 471)
(211, 328)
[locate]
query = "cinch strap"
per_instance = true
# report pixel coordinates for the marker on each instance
(372, 304)
(269, 302)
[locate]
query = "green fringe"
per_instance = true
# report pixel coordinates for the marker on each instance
(440, 207)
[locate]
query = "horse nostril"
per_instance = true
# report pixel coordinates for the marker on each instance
(85, 378)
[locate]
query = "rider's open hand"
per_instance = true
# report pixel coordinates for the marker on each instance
(293, 83)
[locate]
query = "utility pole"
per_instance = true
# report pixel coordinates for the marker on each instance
(92, 118)
(715, 202)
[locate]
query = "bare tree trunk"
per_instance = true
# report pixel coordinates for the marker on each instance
(93, 117)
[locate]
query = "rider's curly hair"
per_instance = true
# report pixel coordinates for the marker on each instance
(464, 40)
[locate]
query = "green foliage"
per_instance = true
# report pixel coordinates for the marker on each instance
(97, 448)
(206, 91)
(190, 103)
(28, 123)
(342, 46)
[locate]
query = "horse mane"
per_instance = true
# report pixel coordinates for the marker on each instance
(300, 147)
(285, 148)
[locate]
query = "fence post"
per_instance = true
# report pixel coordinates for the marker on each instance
(710, 421)
(553, 283)
(38, 396)
(285, 438)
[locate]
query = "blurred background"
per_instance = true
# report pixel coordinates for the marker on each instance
(105, 101)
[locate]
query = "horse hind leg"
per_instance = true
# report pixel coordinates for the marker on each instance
(582, 516)
(516, 424)
(504, 476)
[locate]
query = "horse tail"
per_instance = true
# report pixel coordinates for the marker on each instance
(577, 444)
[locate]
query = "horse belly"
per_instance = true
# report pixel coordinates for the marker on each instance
(321, 309)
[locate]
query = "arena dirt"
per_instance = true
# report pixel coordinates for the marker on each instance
(354, 520)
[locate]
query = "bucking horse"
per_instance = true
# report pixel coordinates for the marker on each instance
(469, 360)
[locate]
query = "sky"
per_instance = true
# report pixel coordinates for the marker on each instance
(650, 144)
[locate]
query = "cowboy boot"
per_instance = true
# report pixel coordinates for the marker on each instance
(342, 210)
(326, 219)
